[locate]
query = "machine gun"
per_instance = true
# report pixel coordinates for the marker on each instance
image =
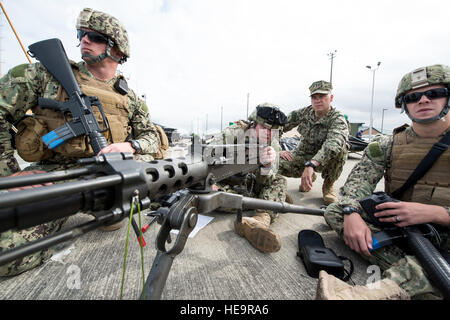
(416, 239)
(52, 55)
(104, 187)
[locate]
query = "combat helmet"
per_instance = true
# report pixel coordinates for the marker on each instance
(108, 26)
(422, 77)
(268, 115)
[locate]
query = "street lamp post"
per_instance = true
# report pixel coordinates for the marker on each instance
(221, 118)
(382, 120)
(332, 55)
(248, 100)
(371, 105)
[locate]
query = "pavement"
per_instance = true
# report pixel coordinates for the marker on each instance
(216, 264)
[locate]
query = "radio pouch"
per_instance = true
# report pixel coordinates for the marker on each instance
(316, 256)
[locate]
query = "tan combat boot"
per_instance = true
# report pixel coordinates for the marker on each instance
(256, 230)
(112, 227)
(331, 288)
(289, 199)
(329, 196)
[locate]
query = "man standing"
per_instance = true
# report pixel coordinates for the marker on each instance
(103, 45)
(323, 145)
(423, 95)
(264, 183)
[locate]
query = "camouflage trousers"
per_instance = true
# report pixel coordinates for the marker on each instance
(331, 171)
(404, 269)
(14, 238)
(274, 189)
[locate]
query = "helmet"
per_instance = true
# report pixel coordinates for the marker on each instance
(269, 115)
(421, 77)
(107, 25)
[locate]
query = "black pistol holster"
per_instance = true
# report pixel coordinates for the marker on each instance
(316, 256)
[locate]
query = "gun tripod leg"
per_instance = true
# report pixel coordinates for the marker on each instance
(239, 215)
(187, 210)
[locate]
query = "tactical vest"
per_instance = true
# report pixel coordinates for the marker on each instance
(407, 152)
(115, 107)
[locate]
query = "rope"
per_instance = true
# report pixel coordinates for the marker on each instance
(134, 200)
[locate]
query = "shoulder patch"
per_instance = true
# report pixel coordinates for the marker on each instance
(137, 101)
(400, 129)
(374, 149)
(294, 115)
(144, 106)
(242, 124)
(19, 71)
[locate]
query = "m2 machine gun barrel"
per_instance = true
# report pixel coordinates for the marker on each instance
(110, 180)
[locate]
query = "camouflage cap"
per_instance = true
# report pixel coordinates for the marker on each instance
(320, 87)
(107, 25)
(421, 77)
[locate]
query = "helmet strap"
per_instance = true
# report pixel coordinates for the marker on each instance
(442, 114)
(94, 59)
(104, 55)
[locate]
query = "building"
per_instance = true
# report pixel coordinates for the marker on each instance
(355, 127)
(365, 131)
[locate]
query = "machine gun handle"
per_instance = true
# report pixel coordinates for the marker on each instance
(98, 141)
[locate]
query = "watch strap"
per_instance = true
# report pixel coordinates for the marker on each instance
(309, 163)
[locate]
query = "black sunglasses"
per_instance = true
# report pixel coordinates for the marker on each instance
(430, 94)
(92, 35)
(271, 115)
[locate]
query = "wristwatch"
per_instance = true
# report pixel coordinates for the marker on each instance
(136, 146)
(350, 209)
(309, 163)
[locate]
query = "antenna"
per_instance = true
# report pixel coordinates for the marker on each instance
(14, 30)
(1, 42)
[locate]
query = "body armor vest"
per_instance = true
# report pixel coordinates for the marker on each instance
(407, 152)
(115, 107)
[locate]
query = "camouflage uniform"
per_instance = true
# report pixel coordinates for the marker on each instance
(20, 90)
(397, 157)
(404, 269)
(267, 186)
(324, 140)
(264, 183)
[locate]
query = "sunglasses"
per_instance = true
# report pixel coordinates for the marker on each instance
(430, 94)
(92, 35)
(272, 116)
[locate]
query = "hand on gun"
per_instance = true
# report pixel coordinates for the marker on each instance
(268, 156)
(404, 214)
(118, 147)
(26, 173)
(357, 234)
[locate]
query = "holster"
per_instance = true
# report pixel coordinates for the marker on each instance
(316, 256)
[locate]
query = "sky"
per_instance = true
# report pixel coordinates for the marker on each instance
(199, 63)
